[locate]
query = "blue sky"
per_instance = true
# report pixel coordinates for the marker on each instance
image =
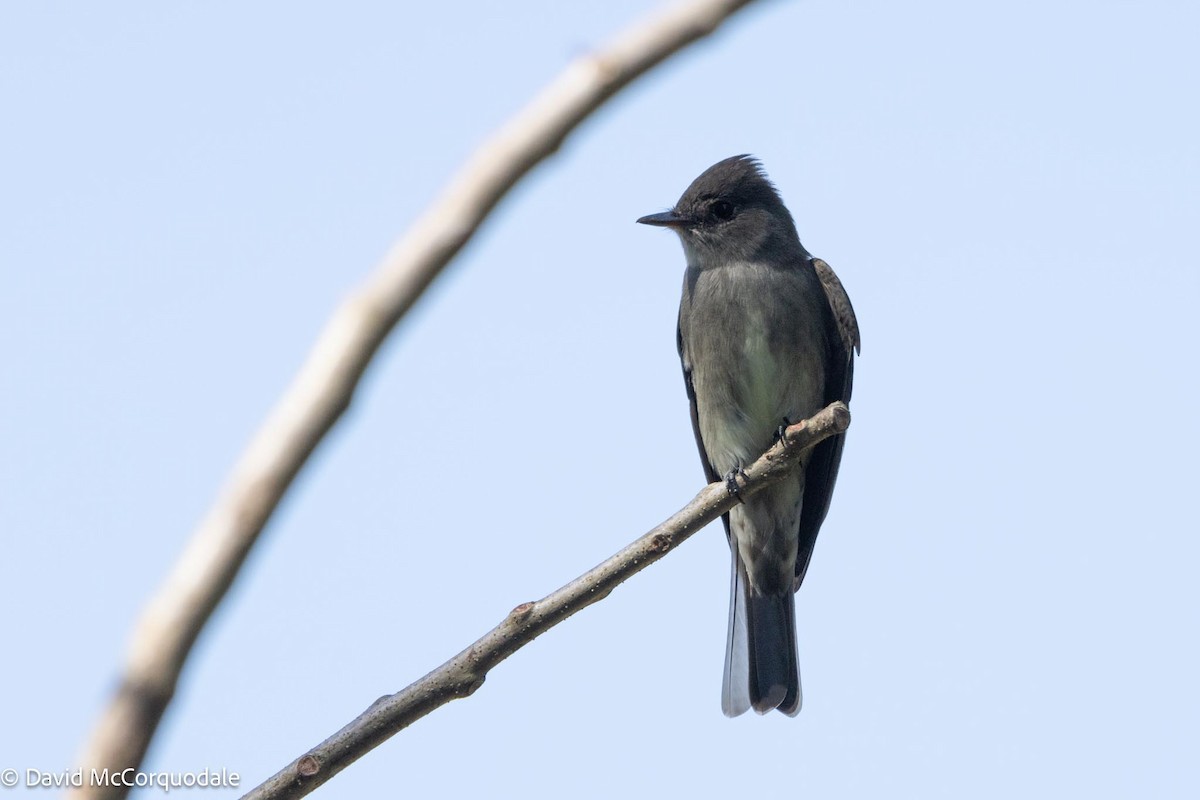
(1003, 598)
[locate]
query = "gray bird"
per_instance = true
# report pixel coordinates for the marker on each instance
(767, 337)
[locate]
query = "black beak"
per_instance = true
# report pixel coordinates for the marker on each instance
(667, 219)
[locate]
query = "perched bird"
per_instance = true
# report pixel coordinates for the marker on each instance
(767, 337)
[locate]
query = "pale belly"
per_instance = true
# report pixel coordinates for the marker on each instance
(759, 380)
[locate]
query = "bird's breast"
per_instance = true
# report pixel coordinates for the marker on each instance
(753, 344)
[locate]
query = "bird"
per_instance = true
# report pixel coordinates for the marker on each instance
(766, 337)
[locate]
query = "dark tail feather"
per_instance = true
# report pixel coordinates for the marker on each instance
(761, 670)
(774, 674)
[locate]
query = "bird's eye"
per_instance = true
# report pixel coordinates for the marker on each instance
(722, 209)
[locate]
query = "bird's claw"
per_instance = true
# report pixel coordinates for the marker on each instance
(781, 431)
(731, 484)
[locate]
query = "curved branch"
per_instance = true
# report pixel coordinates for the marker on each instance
(323, 389)
(463, 674)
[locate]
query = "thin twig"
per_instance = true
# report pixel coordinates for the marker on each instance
(463, 674)
(323, 389)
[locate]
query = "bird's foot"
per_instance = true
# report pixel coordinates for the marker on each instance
(781, 431)
(731, 484)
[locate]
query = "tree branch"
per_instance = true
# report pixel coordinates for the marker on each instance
(324, 387)
(463, 674)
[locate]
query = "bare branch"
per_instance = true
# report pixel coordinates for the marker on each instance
(463, 674)
(323, 389)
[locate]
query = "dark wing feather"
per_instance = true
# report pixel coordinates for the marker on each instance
(709, 473)
(843, 312)
(821, 473)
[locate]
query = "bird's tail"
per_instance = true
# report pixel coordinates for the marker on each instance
(761, 669)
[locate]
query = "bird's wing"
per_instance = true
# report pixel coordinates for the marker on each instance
(843, 312)
(709, 473)
(821, 473)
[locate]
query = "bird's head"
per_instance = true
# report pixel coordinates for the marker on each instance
(731, 213)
